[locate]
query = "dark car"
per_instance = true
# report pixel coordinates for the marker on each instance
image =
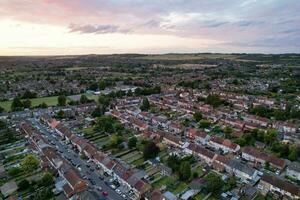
(104, 193)
(93, 182)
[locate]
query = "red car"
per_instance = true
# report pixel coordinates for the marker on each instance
(104, 193)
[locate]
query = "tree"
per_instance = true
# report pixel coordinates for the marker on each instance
(60, 114)
(129, 93)
(14, 171)
(115, 140)
(270, 136)
(2, 109)
(197, 116)
(47, 179)
(30, 163)
(145, 104)
(228, 131)
(83, 99)
(231, 182)
(43, 105)
(214, 100)
(99, 111)
(213, 183)
(104, 100)
(132, 142)
(173, 162)
(150, 150)
(3, 125)
(17, 104)
(29, 95)
(204, 123)
(27, 103)
(267, 165)
(105, 124)
(93, 86)
(62, 100)
(102, 85)
(185, 171)
(23, 185)
(293, 153)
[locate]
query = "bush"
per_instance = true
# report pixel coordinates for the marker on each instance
(23, 185)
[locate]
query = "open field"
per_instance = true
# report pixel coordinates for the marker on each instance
(74, 68)
(50, 101)
(188, 56)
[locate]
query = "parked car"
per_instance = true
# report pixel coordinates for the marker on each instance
(105, 193)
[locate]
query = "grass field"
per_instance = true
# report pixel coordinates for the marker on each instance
(167, 180)
(50, 101)
(188, 56)
(74, 68)
(180, 187)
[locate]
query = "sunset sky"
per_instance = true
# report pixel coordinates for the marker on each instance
(56, 27)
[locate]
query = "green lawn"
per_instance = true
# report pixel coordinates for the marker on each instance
(179, 188)
(168, 180)
(199, 170)
(89, 131)
(50, 101)
(200, 196)
(138, 162)
(74, 68)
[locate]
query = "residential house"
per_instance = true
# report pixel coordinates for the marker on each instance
(172, 140)
(198, 136)
(285, 127)
(138, 124)
(206, 155)
(223, 144)
(293, 170)
(254, 155)
(175, 127)
(74, 183)
(221, 163)
(242, 171)
(239, 124)
(261, 121)
(270, 183)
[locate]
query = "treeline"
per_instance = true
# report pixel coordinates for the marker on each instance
(278, 114)
(214, 100)
(147, 91)
(269, 138)
(104, 101)
(6, 135)
(195, 84)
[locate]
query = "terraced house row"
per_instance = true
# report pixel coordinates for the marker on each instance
(130, 178)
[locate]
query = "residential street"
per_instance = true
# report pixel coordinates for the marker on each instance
(68, 153)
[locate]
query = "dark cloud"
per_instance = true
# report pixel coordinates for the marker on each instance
(97, 29)
(249, 23)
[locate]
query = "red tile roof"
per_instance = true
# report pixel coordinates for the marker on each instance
(282, 184)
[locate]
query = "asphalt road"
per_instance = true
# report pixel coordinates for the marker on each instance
(73, 157)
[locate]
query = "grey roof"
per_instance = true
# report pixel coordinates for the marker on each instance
(249, 191)
(197, 184)
(295, 166)
(8, 188)
(2, 169)
(140, 174)
(237, 165)
(169, 196)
